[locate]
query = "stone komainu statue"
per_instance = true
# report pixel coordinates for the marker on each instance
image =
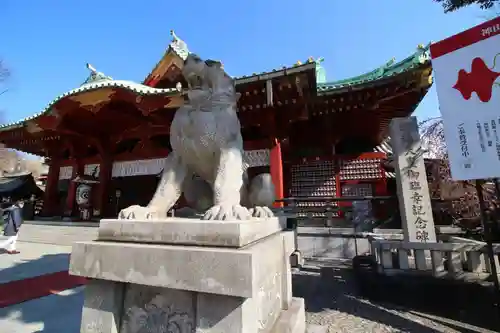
(206, 162)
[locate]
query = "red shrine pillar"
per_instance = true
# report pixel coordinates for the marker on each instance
(50, 196)
(276, 170)
(78, 169)
(102, 195)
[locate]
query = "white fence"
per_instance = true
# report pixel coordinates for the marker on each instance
(456, 257)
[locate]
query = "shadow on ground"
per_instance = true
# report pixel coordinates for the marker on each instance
(46, 264)
(57, 313)
(333, 288)
(332, 299)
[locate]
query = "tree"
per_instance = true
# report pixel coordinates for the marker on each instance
(12, 161)
(452, 5)
(460, 196)
(432, 133)
(4, 74)
(6, 157)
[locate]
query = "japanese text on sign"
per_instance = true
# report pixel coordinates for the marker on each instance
(417, 205)
(465, 67)
(463, 140)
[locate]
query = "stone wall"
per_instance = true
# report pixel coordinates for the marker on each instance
(342, 243)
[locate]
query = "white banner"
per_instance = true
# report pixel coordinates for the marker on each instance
(138, 168)
(467, 71)
(154, 166)
(65, 172)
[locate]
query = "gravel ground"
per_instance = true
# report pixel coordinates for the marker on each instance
(333, 301)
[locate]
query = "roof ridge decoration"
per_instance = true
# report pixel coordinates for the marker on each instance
(320, 70)
(178, 46)
(423, 53)
(95, 76)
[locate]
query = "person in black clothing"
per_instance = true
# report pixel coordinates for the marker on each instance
(12, 226)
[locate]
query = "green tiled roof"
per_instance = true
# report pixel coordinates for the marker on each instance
(391, 68)
(96, 80)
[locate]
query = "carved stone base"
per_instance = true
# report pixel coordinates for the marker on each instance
(190, 231)
(139, 287)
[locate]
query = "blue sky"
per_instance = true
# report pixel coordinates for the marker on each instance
(46, 44)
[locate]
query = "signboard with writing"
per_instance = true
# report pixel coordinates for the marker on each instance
(467, 71)
(413, 189)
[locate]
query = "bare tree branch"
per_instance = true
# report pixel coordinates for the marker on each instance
(4, 72)
(432, 133)
(4, 75)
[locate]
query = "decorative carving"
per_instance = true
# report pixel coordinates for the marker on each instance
(269, 300)
(96, 76)
(158, 310)
(255, 158)
(206, 140)
(156, 317)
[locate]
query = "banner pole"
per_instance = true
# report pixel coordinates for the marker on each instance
(489, 242)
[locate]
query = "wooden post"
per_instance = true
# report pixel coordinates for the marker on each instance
(78, 169)
(105, 171)
(105, 148)
(50, 195)
(276, 169)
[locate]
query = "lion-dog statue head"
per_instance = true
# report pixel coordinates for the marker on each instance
(208, 82)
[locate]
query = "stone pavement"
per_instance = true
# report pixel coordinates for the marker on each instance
(58, 313)
(338, 309)
(35, 259)
(333, 301)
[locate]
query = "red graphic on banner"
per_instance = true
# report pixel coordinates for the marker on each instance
(480, 80)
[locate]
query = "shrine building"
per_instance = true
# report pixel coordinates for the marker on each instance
(316, 137)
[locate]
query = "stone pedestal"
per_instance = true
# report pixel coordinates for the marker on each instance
(186, 275)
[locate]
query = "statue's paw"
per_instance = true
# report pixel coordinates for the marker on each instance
(261, 212)
(138, 213)
(227, 212)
